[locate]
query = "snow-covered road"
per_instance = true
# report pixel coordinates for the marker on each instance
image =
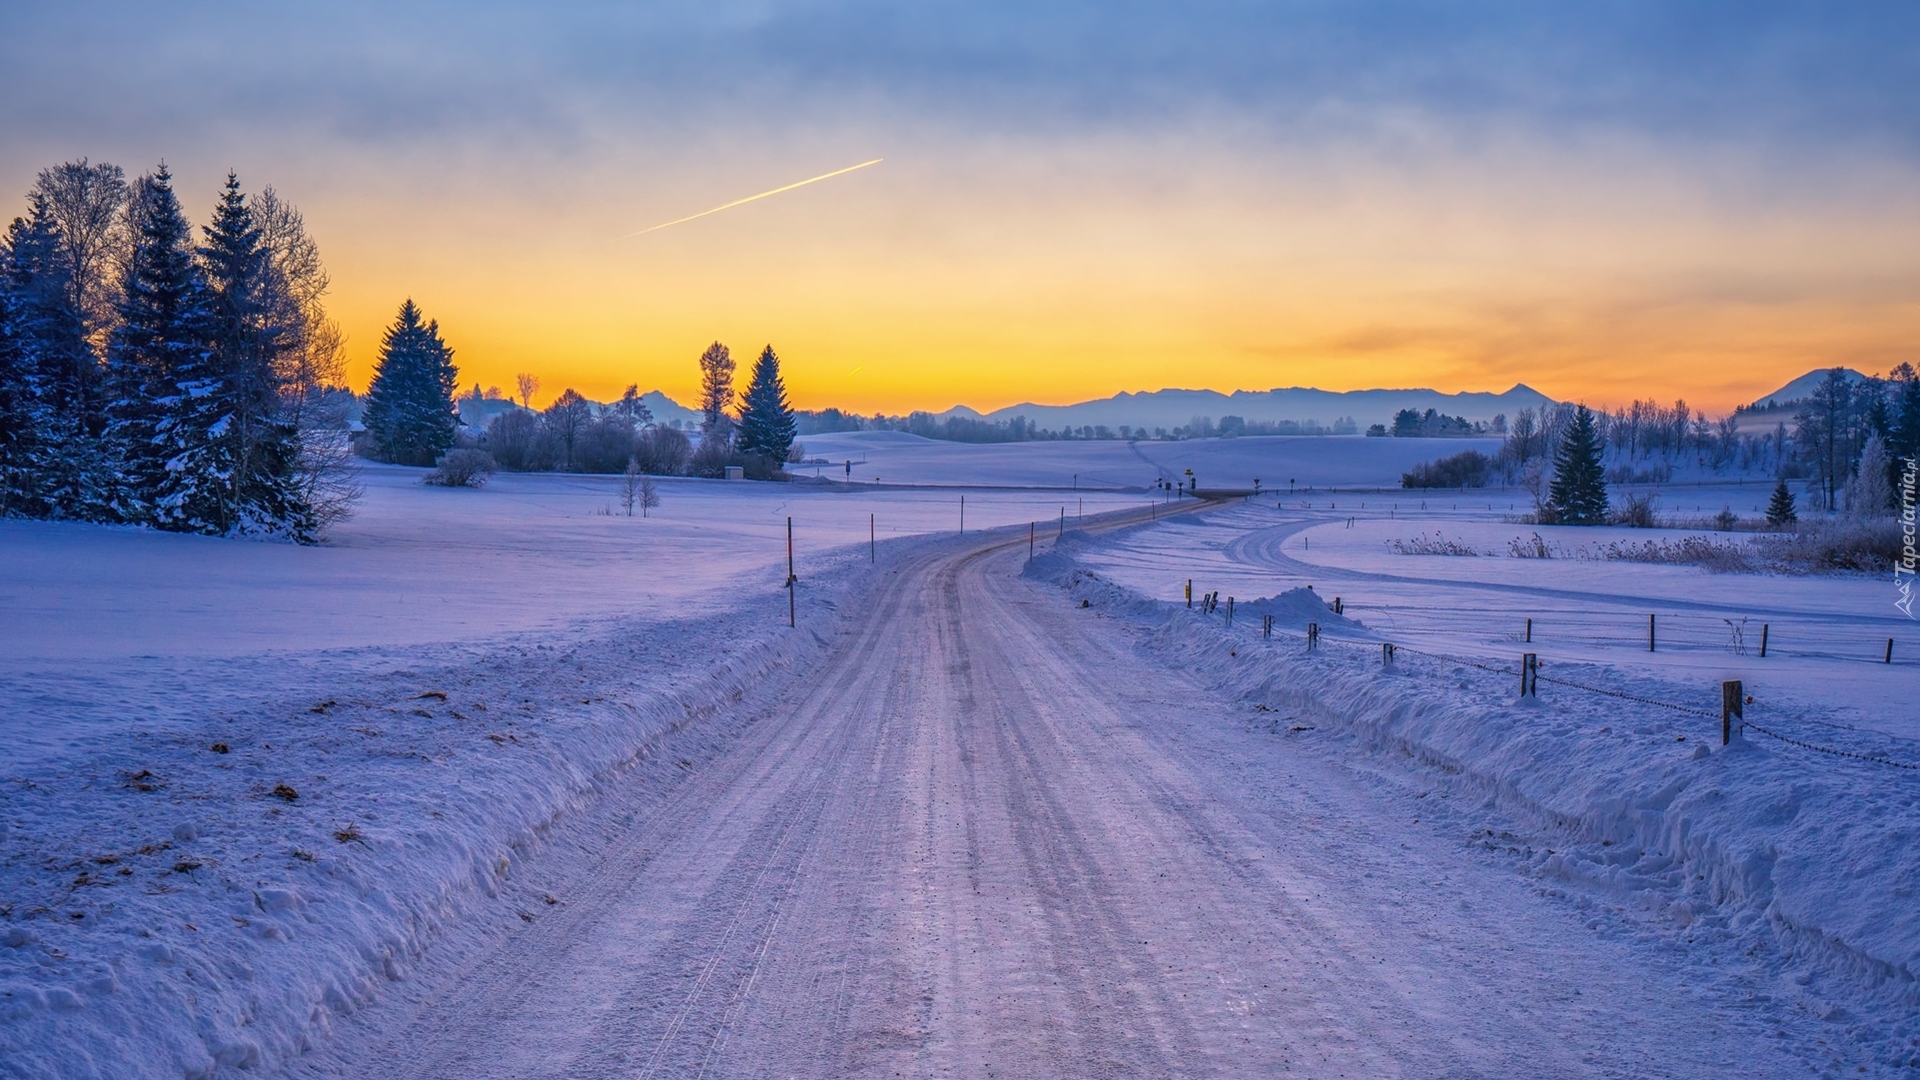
(987, 836)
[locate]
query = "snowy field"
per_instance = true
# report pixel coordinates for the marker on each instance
(1826, 634)
(1275, 461)
(105, 625)
(251, 783)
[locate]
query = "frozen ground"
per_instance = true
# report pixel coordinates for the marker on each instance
(568, 798)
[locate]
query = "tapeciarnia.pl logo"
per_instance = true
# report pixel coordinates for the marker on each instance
(1903, 569)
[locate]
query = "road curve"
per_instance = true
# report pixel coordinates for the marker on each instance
(988, 837)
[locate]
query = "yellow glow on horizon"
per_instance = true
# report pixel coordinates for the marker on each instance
(1047, 280)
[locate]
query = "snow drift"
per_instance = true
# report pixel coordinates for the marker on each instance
(1817, 850)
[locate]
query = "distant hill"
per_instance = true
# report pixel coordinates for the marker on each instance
(1173, 408)
(666, 410)
(1801, 388)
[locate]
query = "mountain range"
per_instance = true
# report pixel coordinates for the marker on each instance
(1171, 408)
(1174, 408)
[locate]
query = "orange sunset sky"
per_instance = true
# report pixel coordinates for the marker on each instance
(1693, 202)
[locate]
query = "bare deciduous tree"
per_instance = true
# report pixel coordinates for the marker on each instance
(566, 418)
(649, 495)
(88, 204)
(529, 385)
(312, 369)
(630, 485)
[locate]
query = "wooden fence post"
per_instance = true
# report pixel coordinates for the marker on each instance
(1529, 630)
(791, 614)
(1313, 635)
(1386, 654)
(1650, 633)
(1763, 639)
(1732, 709)
(1189, 594)
(1889, 658)
(1529, 675)
(1030, 527)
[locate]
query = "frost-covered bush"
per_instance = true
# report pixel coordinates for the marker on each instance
(1722, 555)
(1431, 545)
(661, 451)
(1871, 545)
(711, 458)
(1532, 548)
(1638, 512)
(462, 468)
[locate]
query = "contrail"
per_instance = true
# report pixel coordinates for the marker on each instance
(751, 198)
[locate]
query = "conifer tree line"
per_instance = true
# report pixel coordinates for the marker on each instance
(154, 377)
(753, 430)
(1847, 445)
(1852, 439)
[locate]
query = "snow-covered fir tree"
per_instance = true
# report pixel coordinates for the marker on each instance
(766, 417)
(1579, 492)
(53, 461)
(1780, 508)
(218, 406)
(155, 354)
(409, 413)
(235, 453)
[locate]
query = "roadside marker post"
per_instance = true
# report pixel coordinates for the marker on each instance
(1732, 710)
(1030, 527)
(1189, 594)
(873, 544)
(791, 613)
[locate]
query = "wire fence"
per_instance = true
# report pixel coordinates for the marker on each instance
(1802, 637)
(1314, 640)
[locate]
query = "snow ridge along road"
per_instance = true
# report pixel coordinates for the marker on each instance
(985, 836)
